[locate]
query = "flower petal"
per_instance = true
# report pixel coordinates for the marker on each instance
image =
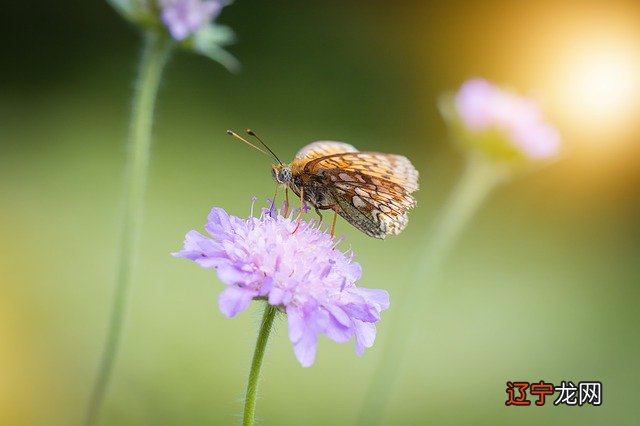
(337, 331)
(202, 250)
(232, 274)
(380, 298)
(234, 300)
(305, 325)
(365, 335)
(219, 224)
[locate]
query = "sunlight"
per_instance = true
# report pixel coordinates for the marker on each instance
(596, 87)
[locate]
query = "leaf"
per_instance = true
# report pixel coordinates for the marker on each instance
(208, 41)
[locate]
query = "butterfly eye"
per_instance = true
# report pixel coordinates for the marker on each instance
(285, 175)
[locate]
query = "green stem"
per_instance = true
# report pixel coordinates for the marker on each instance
(154, 57)
(256, 364)
(478, 180)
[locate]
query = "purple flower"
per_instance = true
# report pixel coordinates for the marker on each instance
(302, 273)
(483, 108)
(185, 17)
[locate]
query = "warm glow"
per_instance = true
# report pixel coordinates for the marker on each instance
(598, 86)
(604, 86)
(593, 81)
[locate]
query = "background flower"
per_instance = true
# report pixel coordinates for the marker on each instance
(302, 273)
(190, 23)
(185, 17)
(499, 123)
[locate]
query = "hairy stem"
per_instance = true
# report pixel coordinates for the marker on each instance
(256, 364)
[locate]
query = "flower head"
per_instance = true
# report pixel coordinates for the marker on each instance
(301, 272)
(191, 24)
(501, 124)
(185, 17)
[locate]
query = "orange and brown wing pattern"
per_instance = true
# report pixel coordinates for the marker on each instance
(379, 166)
(377, 210)
(373, 190)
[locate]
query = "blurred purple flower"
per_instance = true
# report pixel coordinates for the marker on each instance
(483, 106)
(185, 17)
(301, 273)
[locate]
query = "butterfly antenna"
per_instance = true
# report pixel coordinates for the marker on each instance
(252, 133)
(237, 136)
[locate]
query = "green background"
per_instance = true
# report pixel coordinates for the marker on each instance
(542, 285)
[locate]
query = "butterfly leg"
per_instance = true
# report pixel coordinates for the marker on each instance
(286, 201)
(301, 210)
(319, 214)
(333, 225)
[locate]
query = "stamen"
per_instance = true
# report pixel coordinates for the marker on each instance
(273, 203)
(253, 202)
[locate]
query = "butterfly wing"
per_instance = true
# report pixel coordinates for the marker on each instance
(321, 149)
(376, 211)
(380, 167)
(373, 190)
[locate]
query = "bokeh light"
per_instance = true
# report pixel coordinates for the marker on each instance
(594, 83)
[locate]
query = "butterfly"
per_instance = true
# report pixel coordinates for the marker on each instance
(370, 190)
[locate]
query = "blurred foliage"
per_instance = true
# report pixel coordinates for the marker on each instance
(544, 285)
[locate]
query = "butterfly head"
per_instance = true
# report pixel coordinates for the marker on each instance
(281, 173)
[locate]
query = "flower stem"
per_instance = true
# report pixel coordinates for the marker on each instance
(256, 363)
(154, 57)
(479, 178)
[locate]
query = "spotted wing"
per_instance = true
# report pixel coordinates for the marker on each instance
(373, 190)
(380, 167)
